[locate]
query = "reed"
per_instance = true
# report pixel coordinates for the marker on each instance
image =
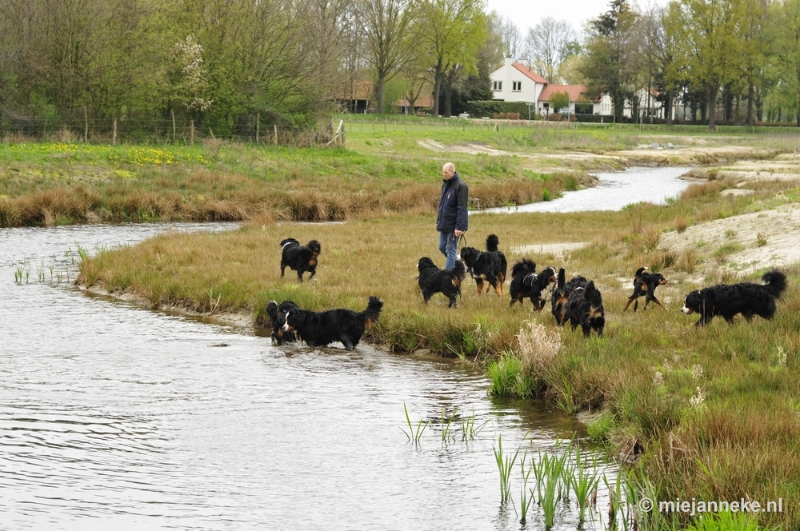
(414, 434)
(447, 424)
(505, 464)
(526, 494)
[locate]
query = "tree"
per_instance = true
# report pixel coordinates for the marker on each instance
(711, 50)
(452, 33)
(558, 101)
(548, 45)
(385, 24)
(786, 16)
(610, 64)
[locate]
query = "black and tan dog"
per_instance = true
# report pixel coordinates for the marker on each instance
(277, 317)
(644, 285)
(525, 282)
(585, 308)
(746, 298)
(446, 281)
(560, 295)
(300, 258)
(319, 329)
(489, 265)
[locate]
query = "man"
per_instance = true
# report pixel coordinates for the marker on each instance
(451, 220)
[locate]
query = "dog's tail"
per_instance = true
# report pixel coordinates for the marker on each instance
(523, 267)
(286, 241)
(459, 271)
(775, 282)
(492, 241)
(562, 280)
(592, 294)
(637, 274)
(272, 311)
(373, 311)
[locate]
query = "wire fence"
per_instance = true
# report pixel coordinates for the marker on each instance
(251, 129)
(178, 130)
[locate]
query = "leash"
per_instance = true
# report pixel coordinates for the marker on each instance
(462, 241)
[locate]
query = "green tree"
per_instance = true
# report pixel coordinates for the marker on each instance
(610, 66)
(786, 28)
(558, 101)
(711, 48)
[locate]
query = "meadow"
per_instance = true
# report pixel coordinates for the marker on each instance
(708, 413)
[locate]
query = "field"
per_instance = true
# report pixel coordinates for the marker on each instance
(713, 411)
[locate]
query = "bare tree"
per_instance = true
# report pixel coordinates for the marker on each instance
(385, 24)
(513, 43)
(547, 46)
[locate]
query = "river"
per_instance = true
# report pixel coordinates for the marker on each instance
(118, 417)
(614, 191)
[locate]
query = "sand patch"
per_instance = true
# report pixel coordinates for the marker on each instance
(767, 239)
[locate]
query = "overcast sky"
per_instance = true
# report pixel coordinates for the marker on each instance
(527, 13)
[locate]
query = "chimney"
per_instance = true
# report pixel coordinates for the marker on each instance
(509, 60)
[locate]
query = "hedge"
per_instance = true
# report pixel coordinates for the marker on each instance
(488, 108)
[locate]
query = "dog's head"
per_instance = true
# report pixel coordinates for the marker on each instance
(315, 246)
(692, 303)
(659, 278)
(425, 263)
(293, 319)
(549, 275)
(469, 255)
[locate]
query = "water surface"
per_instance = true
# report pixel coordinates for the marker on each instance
(614, 191)
(117, 417)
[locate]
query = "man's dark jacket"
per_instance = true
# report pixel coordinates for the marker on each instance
(453, 206)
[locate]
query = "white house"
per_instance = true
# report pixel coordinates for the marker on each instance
(515, 81)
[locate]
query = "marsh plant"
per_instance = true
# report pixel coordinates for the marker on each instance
(468, 429)
(505, 463)
(414, 433)
(447, 424)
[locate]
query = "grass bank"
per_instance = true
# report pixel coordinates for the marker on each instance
(52, 184)
(715, 410)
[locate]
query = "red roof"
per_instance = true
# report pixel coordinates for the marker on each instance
(530, 73)
(574, 91)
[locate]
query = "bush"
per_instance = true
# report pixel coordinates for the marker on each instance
(488, 108)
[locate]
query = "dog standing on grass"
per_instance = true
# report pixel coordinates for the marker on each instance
(525, 282)
(446, 281)
(585, 308)
(490, 265)
(645, 284)
(747, 298)
(560, 295)
(300, 258)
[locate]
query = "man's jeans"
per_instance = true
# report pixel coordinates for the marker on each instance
(448, 245)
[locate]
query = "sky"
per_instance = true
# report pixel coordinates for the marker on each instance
(527, 13)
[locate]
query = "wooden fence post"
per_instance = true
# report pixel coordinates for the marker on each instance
(172, 112)
(258, 125)
(85, 124)
(191, 132)
(275, 127)
(114, 133)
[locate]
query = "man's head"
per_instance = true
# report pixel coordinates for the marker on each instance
(448, 170)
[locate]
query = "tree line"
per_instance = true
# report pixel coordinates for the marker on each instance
(292, 60)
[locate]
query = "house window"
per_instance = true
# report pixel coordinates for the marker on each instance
(516, 86)
(497, 86)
